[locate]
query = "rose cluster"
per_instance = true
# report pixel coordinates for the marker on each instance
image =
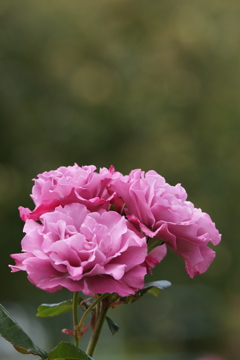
(93, 231)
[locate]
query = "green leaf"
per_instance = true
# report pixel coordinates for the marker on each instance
(46, 310)
(154, 287)
(129, 299)
(153, 243)
(13, 333)
(67, 351)
(112, 325)
(21, 350)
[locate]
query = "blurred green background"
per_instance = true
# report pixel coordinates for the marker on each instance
(136, 84)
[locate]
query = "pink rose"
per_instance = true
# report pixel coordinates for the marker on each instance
(67, 185)
(98, 252)
(160, 210)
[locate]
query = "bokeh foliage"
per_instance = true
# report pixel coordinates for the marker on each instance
(133, 83)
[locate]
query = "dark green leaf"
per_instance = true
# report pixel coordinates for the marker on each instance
(130, 299)
(67, 351)
(160, 284)
(112, 325)
(13, 333)
(154, 287)
(153, 243)
(46, 310)
(21, 350)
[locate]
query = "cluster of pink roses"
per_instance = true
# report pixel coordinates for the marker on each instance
(90, 231)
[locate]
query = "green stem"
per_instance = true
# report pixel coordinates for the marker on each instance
(80, 325)
(75, 316)
(97, 329)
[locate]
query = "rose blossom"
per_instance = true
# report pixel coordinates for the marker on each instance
(92, 252)
(160, 210)
(67, 185)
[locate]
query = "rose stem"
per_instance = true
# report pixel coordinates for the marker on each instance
(89, 309)
(104, 306)
(75, 316)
